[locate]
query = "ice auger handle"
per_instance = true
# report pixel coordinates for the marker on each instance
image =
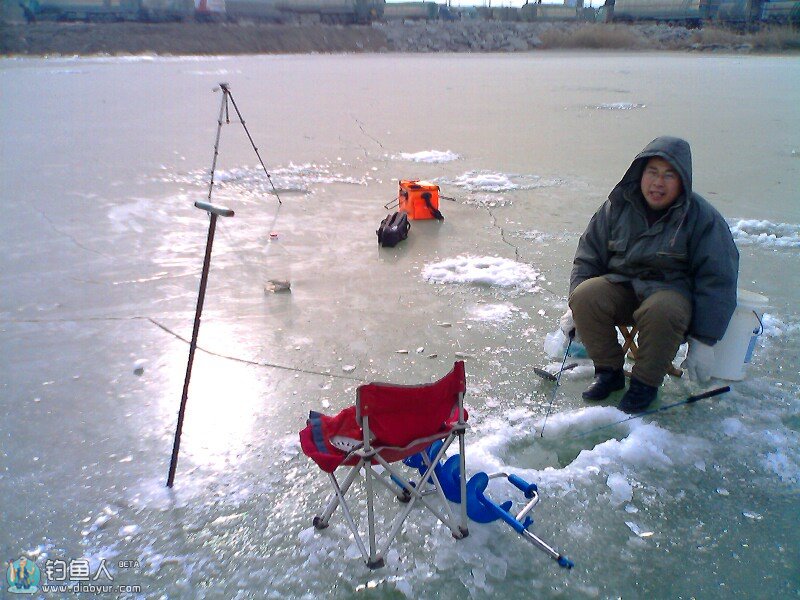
(529, 489)
(476, 487)
(214, 209)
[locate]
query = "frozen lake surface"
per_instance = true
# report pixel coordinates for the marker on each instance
(102, 160)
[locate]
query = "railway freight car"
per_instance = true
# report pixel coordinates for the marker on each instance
(736, 11)
(395, 11)
(254, 10)
(781, 11)
(333, 11)
(108, 10)
(549, 12)
(686, 12)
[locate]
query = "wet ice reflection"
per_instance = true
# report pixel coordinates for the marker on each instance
(223, 402)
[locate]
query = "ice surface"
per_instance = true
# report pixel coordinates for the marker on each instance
(237, 523)
(252, 182)
(495, 312)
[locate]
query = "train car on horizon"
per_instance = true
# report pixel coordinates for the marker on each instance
(415, 11)
(694, 13)
(781, 11)
(334, 12)
(108, 10)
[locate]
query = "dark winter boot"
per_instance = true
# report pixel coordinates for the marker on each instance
(638, 397)
(606, 380)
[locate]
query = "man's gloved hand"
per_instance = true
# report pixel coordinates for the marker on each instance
(567, 324)
(699, 361)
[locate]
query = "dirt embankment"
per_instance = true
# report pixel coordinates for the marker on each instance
(40, 39)
(183, 39)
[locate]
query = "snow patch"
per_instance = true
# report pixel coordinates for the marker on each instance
(775, 327)
(752, 232)
(485, 270)
(492, 181)
(428, 156)
(619, 106)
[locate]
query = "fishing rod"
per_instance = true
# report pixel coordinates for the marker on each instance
(689, 400)
(558, 381)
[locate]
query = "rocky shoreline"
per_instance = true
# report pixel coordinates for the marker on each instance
(69, 39)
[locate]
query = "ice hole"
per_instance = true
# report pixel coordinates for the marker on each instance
(559, 451)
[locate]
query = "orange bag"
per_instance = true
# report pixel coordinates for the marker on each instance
(419, 199)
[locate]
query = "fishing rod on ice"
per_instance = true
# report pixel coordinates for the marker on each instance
(223, 111)
(709, 394)
(540, 372)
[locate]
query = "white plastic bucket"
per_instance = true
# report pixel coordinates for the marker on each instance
(735, 349)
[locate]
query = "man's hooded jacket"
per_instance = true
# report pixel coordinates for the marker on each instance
(689, 249)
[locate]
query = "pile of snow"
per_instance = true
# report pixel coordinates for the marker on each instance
(492, 181)
(765, 233)
(619, 106)
(428, 156)
(776, 328)
(485, 270)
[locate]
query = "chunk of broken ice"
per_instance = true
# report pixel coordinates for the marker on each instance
(621, 490)
(638, 530)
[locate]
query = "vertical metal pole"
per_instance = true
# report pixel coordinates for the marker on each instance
(222, 112)
(192, 347)
(462, 466)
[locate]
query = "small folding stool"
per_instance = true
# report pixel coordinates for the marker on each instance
(630, 348)
(390, 423)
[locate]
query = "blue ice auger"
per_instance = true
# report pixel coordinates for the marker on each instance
(480, 508)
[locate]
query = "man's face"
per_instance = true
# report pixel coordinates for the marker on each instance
(661, 184)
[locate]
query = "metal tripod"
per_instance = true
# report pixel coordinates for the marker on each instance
(214, 212)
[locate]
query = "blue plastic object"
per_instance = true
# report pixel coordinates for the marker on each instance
(578, 350)
(480, 508)
(527, 488)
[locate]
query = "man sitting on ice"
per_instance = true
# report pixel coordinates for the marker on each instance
(659, 256)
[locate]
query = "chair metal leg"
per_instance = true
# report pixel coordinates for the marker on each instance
(340, 499)
(462, 475)
(321, 521)
(373, 560)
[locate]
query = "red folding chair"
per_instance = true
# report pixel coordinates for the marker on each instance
(388, 424)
